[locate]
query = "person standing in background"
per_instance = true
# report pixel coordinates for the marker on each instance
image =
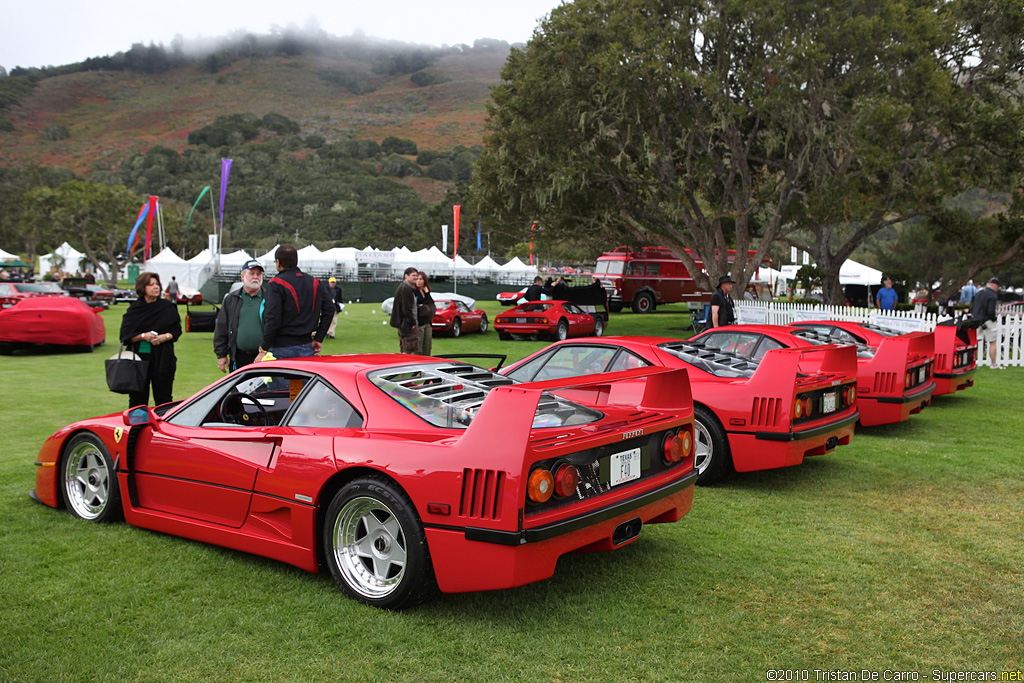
(298, 310)
(172, 290)
(425, 310)
(722, 313)
(239, 329)
(150, 327)
(983, 312)
(887, 297)
(335, 289)
(403, 313)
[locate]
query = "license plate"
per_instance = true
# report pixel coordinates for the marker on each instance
(829, 403)
(625, 466)
(920, 375)
(522, 320)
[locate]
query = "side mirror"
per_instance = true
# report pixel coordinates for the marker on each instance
(139, 415)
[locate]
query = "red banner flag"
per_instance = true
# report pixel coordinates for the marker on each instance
(532, 229)
(149, 226)
(455, 249)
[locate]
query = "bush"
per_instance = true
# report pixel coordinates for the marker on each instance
(315, 141)
(5, 124)
(395, 145)
(442, 169)
(280, 124)
(425, 78)
(400, 167)
(55, 131)
(225, 130)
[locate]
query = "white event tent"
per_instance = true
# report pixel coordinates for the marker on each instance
(7, 256)
(70, 258)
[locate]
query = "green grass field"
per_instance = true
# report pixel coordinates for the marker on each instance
(902, 552)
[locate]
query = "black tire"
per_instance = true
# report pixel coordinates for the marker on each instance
(375, 545)
(6, 348)
(616, 307)
(483, 325)
(457, 328)
(598, 327)
(562, 331)
(643, 302)
(504, 336)
(715, 462)
(88, 483)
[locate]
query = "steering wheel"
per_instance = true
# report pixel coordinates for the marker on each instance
(231, 409)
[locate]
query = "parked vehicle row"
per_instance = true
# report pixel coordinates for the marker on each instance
(408, 474)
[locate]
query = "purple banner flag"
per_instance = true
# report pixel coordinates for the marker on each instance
(225, 171)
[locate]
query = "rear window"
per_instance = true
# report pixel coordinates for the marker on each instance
(450, 394)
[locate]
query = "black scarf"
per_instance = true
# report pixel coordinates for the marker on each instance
(160, 316)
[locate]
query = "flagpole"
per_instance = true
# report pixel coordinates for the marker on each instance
(213, 212)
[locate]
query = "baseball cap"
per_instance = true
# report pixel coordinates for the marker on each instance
(332, 280)
(994, 280)
(252, 263)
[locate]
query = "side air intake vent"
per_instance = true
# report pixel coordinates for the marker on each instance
(481, 493)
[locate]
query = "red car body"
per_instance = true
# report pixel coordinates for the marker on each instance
(955, 358)
(454, 317)
(57, 320)
(745, 410)
(510, 298)
(551, 319)
(894, 381)
(399, 472)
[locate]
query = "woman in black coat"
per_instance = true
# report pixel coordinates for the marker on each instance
(150, 327)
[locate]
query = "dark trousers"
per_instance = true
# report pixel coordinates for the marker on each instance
(162, 386)
(242, 358)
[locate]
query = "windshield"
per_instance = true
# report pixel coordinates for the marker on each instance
(610, 267)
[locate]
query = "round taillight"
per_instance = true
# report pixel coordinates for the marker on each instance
(798, 408)
(687, 443)
(673, 448)
(906, 380)
(566, 480)
(808, 407)
(540, 486)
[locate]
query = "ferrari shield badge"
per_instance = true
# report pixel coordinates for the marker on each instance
(118, 433)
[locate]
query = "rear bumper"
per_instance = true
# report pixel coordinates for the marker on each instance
(525, 329)
(771, 450)
(477, 559)
(879, 410)
(952, 382)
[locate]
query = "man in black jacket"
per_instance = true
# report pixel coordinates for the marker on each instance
(298, 311)
(721, 313)
(239, 329)
(983, 312)
(403, 313)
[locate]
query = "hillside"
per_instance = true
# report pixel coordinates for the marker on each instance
(111, 115)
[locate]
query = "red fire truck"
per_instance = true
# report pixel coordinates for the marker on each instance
(644, 277)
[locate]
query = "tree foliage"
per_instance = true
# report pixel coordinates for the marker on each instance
(727, 123)
(93, 214)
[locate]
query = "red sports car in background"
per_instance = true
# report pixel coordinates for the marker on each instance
(56, 320)
(893, 381)
(13, 292)
(455, 317)
(955, 349)
(551, 319)
(401, 472)
(510, 298)
(749, 415)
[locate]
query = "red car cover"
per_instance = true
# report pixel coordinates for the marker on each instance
(52, 320)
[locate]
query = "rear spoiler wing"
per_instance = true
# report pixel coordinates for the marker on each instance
(787, 363)
(508, 411)
(893, 348)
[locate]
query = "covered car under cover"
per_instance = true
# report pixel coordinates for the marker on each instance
(64, 321)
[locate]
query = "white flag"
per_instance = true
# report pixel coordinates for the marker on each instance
(444, 239)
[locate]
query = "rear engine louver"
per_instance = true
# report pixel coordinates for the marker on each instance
(765, 412)
(481, 493)
(941, 362)
(885, 383)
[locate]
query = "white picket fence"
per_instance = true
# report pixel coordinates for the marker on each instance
(1011, 328)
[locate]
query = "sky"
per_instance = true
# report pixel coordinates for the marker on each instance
(57, 32)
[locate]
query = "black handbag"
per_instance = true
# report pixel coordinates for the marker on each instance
(126, 373)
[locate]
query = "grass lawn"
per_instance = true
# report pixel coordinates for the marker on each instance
(902, 552)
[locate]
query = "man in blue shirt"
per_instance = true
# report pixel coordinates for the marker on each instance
(967, 292)
(887, 297)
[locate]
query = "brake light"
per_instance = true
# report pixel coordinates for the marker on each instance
(672, 448)
(808, 406)
(798, 408)
(906, 381)
(540, 486)
(850, 395)
(567, 478)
